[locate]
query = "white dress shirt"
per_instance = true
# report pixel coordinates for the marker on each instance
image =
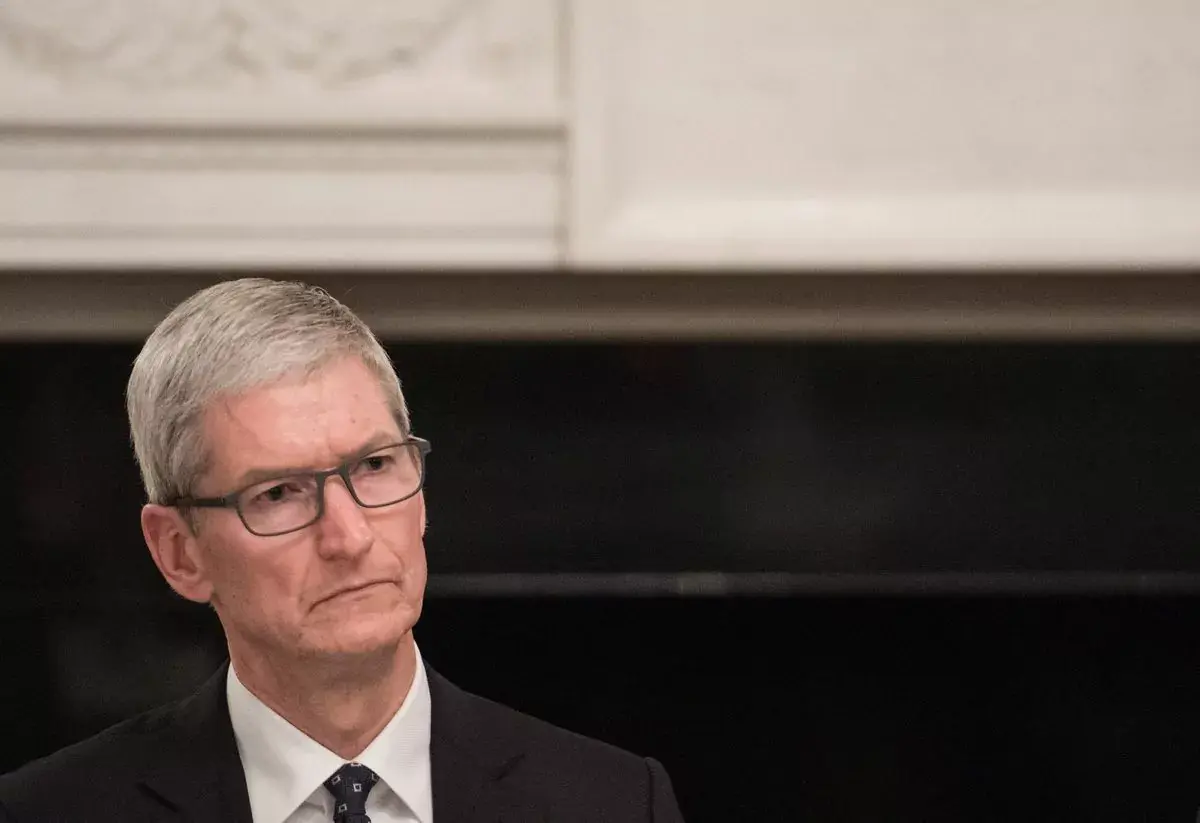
(285, 768)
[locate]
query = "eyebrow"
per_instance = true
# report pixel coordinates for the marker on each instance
(375, 442)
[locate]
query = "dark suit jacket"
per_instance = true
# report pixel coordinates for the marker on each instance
(490, 764)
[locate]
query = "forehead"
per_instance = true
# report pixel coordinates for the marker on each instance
(302, 420)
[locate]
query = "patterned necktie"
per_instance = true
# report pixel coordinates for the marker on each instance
(350, 786)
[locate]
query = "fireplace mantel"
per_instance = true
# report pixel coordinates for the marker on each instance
(759, 167)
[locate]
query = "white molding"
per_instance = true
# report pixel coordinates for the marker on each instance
(297, 201)
(389, 251)
(136, 51)
(782, 134)
(419, 111)
(296, 151)
(965, 233)
(402, 135)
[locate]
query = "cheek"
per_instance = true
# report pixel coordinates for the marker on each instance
(403, 523)
(412, 535)
(252, 579)
(402, 534)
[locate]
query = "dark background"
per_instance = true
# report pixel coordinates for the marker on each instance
(835, 582)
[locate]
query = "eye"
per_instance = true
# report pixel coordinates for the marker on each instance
(279, 493)
(373, 464)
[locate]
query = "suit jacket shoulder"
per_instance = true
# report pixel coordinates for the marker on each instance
(537, 770)
(490, 764)
(180, 756)
(86, 770)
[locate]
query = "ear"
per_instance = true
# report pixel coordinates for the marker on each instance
(176, 552)
(422, 502)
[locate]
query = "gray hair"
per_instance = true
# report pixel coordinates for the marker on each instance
(222, 341)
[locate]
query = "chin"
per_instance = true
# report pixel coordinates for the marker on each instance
(362, 636)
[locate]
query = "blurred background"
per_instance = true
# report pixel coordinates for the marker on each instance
(812, 385)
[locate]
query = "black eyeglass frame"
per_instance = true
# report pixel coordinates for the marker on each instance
(231, 500)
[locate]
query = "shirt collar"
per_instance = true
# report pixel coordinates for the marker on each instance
(285, 767)
(400, 753)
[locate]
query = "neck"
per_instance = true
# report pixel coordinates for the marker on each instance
(342, 704)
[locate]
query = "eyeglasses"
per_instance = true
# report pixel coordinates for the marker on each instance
(384, 477)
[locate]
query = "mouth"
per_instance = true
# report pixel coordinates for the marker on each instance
(350, 591)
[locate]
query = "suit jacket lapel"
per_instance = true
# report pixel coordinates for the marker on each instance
(196, 769)
(470, 756)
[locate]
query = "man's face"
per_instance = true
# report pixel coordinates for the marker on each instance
(350, 584)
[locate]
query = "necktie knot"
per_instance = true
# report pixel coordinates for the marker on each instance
(350, 786)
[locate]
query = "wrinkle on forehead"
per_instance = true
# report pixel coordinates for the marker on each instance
(301, 420)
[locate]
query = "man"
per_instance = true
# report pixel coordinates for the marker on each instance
(285, 491)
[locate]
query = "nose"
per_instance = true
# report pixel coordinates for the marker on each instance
(344, 529)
